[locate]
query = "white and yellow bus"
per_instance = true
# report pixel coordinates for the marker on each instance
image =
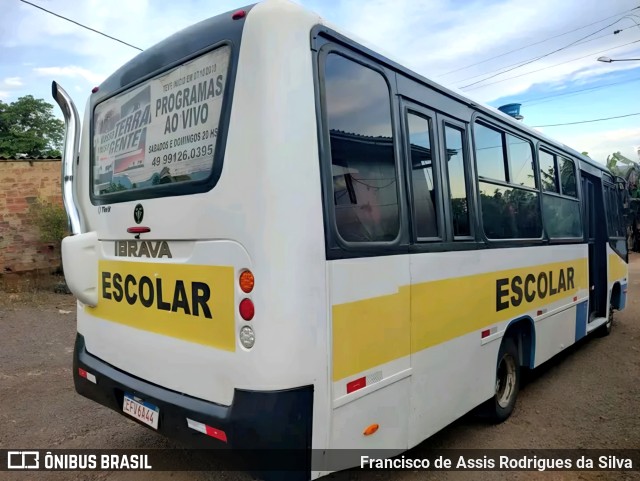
(282, 238)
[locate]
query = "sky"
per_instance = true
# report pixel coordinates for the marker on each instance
(549, 48)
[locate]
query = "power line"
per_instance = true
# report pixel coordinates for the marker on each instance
(541, 56)
(535, 43)
(522, 62)
(588, 121)
(554, 65)
(81, 25)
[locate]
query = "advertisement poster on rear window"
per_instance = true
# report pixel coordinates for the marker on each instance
(164, 130)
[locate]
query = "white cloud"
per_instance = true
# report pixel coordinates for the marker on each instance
(4, 95)
(441, 36)
(606, 142)
(13, 82)
(71, 71)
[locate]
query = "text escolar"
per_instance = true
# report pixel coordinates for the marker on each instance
(512, 291)
(180, 297)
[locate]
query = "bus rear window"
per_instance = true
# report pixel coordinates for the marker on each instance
(162, 131)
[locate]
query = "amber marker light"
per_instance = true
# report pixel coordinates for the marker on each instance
(246, 281)
(371, 429)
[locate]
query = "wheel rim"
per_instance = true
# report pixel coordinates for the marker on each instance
(505, 380)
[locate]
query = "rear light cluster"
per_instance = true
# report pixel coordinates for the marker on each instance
(87, 375)
(247, 309)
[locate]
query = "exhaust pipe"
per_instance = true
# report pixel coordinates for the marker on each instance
(69, 156)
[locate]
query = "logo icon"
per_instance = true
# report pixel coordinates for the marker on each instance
(138, 213)
(23, 460)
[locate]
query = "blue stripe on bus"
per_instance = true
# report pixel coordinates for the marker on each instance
(581, 320)
(623, 297)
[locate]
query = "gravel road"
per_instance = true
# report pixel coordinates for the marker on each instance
(589, 397)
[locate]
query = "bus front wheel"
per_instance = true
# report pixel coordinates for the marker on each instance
(503, 402)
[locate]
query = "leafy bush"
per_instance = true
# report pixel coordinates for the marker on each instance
(50, 219)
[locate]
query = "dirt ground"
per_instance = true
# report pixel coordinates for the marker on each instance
(588, 397)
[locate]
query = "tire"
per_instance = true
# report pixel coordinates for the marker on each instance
(605, 329)
(508, 375)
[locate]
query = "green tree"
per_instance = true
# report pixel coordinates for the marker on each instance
(621, 166)
(28, 126)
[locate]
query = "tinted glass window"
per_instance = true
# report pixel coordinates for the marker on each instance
(567, 177)
(157, 133)
(509, 213)
(548, 172)
(561, 217)
(457, 182)
(489, 153)
(615, 216)
(520, 161)
(422, 176)
(362, 155)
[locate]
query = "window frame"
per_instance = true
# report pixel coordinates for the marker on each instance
(336, 246)
(578, 199)
(505, 142)
(443, 122)
(556, 175)
(412, 108)
(504, 129)
(613, 213)
(231, 38)
(559, 176)
(505, 156)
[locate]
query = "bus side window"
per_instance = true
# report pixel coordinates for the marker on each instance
(454, 144)
(560, 203)
(365, 180)
(425, 188)
(509, 197)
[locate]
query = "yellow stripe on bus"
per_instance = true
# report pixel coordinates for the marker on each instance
(617, 268)
(371, 332)
(190, 302)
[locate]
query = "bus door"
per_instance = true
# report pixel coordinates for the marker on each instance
(596, 237)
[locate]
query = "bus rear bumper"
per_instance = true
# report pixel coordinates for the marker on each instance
(255, 421)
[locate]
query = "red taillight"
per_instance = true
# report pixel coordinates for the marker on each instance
(238, 15)
(247, 310)
(87, 375)
(486, 333)
(95, 89)
(138, 230)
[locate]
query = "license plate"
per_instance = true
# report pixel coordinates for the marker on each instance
(141, 410)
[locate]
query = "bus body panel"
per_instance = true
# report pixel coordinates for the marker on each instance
(450, 363)
(617, 270)
(370, 332)
(158, 345)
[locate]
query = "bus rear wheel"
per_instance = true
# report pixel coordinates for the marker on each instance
(503, 402)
